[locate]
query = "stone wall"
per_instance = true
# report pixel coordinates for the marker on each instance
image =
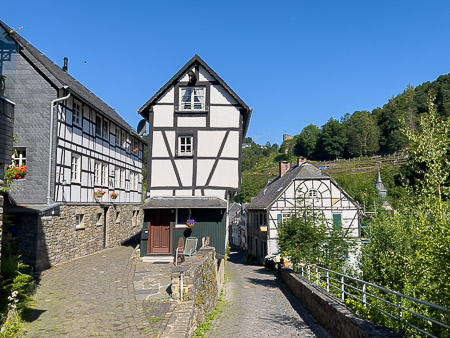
(329, 310)
(48, 240)
(202, 276)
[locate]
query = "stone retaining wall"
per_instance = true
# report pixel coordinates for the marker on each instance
(202, 276)
(48, 240)
(329, 310)
(1, 223)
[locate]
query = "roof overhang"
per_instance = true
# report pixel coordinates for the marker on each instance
(184, 203)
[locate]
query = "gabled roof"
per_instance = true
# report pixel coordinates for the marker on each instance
(191, 63)
(270, 193)
(59, 78)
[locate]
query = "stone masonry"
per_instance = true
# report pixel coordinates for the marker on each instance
(49, 240)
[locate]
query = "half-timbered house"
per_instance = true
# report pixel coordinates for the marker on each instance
(78, 151)
(287, 193)
(197, 125)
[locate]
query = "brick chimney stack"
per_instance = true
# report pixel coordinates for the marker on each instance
(301, 160)
(284, 167)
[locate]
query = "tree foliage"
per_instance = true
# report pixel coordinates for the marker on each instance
(305, 236)
(409, 251)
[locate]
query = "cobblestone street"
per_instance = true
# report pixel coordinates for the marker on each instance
(259, 305)
(95, 296)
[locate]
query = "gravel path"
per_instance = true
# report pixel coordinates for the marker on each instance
(260, 305)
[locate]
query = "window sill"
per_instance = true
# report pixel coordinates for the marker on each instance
(193, 111)
(82, 227)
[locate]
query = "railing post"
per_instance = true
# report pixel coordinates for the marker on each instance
(328, 281)
(309, 273)
(342, 288)
(317, 275)
(400, 314)
(364, 294)
(303, 271)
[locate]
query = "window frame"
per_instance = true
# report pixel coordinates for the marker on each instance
(79, 222)
(77, 170)
(104, 174)
(21, 157)
(180, 144)
(97, 172)
(77, 113)
(182, 104)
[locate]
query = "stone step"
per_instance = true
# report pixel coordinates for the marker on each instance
(157, 259)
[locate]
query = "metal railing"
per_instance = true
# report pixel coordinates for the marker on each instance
(348, 287)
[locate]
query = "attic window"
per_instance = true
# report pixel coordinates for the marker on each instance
(192, 98)
(313, 194)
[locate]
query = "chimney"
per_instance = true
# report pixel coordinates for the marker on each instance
(66, 64)
(301, 160)
(284, 167)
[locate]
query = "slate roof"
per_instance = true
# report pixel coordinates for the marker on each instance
(184, 202)
(276, 187)
(198, 60)
(60, 78)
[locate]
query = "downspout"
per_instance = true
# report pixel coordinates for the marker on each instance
(50, 150)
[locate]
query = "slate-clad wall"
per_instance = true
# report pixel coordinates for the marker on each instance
(48, 240)
(6, 132)
(32, 96)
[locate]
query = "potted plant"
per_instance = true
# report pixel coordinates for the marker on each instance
(113, 195)
(190, 223)
(99, 194)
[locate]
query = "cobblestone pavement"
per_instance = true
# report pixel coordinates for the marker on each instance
(95, 296)
(260, 305)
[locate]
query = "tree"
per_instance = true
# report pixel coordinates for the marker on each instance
(332, 140)
(305, 237)
(362, 134)
(409, 251)
(307, 142)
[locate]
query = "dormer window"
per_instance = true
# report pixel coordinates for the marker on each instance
(192, 98)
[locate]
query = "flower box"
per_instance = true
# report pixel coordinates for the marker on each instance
(99, 193)
(16, 172)
(113, 195)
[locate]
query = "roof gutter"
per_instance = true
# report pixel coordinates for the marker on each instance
(50, 150)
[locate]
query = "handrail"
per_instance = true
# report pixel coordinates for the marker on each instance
(342, 288)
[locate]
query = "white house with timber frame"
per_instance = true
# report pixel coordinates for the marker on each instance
(280, 198)
(197, 125)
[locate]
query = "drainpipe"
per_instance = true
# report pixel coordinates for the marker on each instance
(50, 157)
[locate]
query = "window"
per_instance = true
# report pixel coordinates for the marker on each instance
(182, 215)
(76, 113)
(192, 98)
(133, 181)
(98, 125)
(105, 174)
(76, 168)
(185, 146)
(279, 219)
(99, 218)
(122, 179)
(337, 221)
(313, 194)
(118, 136)
(79, 224)
(105, 129)
(97, 170)
(20, 156)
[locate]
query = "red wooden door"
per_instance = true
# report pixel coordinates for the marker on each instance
(159, 225)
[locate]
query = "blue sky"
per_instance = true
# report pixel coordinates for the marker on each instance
(295, 62)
